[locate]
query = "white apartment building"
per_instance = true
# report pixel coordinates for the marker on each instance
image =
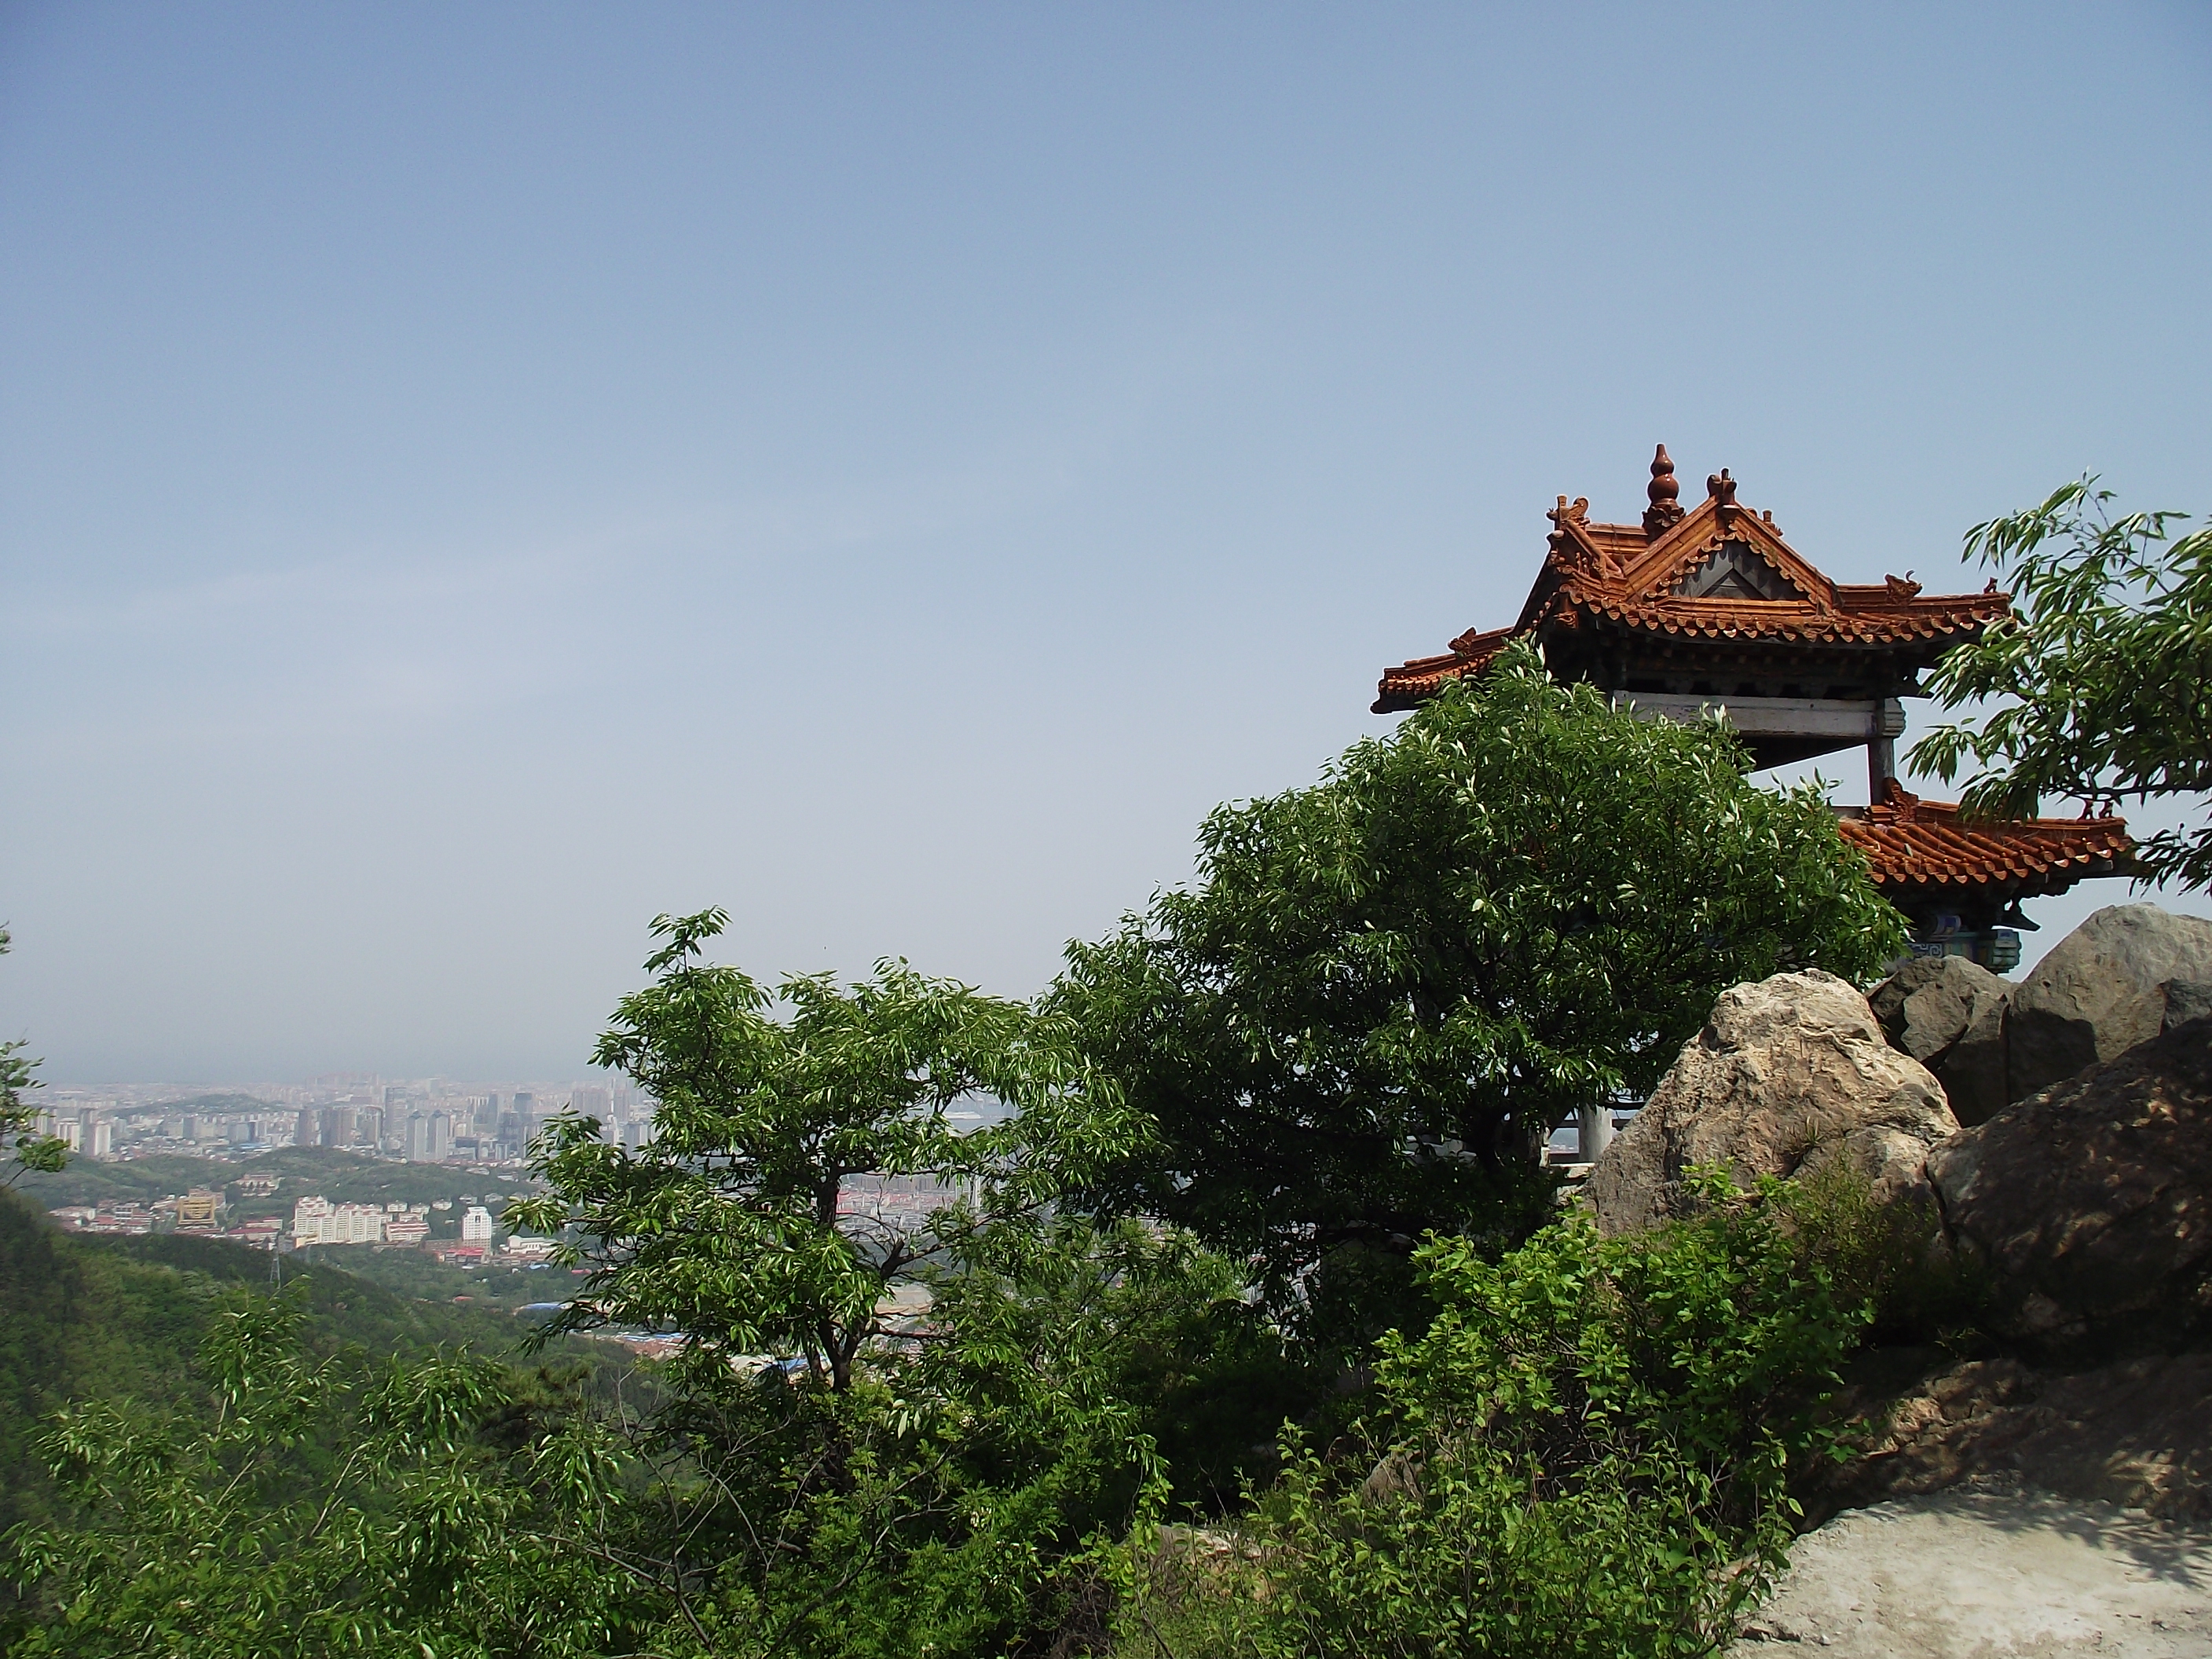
(316, 1220)
(475, 1225)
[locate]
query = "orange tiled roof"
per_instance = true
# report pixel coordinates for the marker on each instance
(1646, 579)
(1915, 843)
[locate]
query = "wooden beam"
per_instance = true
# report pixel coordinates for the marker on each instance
(1845, 722)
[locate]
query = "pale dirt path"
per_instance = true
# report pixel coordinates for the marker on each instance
(1991, 1576)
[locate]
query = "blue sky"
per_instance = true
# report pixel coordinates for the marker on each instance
(472, 478)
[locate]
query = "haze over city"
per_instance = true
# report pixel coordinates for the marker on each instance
(471, 480)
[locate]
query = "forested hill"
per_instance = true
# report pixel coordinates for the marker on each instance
(114, 1317)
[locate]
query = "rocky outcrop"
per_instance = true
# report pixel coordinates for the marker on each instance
(2122, 977)
(1789, 1075)
(2089, 1205)
(2137, 1433)
(1938, 1009)
(2104, 988)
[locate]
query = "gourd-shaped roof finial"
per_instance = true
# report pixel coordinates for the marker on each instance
(1665, 508)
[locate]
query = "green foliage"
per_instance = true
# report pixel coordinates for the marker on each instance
(2106, 671)
(935, 1489)
(462, 1516)
(1165, 1326)
(415, 1275)
(957, 1498)
(1584, 1455)
(729, 1226)
(18, 1117)
(118, 1318)
(1383, 990)
(1886, 1257)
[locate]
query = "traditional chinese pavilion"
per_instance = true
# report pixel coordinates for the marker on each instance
(1709, 608)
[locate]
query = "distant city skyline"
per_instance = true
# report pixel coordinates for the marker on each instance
(472, 479)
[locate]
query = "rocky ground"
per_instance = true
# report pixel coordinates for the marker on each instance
(1992, 1576)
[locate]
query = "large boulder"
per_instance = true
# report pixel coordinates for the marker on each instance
(1789, 1074)
(2089, 1205)
(1938, 1009)
(2103, 989)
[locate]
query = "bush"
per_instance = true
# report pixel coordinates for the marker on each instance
(1584, 1454)
(1888, 1257)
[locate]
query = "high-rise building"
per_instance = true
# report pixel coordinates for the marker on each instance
(418, 1138)
(591, 1102)
(309, 1133)
(441, 1137)
(475, 1225)
(101, 1138)
(338, 1127)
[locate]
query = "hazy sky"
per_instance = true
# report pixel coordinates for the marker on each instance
(473, 478)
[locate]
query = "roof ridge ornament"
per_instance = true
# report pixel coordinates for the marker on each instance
(1721, 487)
(1666, 509)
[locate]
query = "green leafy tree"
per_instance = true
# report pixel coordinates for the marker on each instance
(1382, 991)
(733, 1224)
(2106, 671)
(18, 1116)
(952, 1438)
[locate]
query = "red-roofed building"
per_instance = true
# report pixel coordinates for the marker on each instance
(1709, 608)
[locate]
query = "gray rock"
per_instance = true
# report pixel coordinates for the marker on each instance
(1930, 1002)
(1975, 1077)
(1791, 1073)
(2100, 992)
(2186, 999)
(2090, 1204)
(1948, 1014)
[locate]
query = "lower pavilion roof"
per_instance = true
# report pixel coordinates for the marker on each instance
(1926, 848)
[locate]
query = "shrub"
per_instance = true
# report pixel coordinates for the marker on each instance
(1584, 1454)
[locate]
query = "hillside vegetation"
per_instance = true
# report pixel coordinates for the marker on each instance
(122, 1319)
